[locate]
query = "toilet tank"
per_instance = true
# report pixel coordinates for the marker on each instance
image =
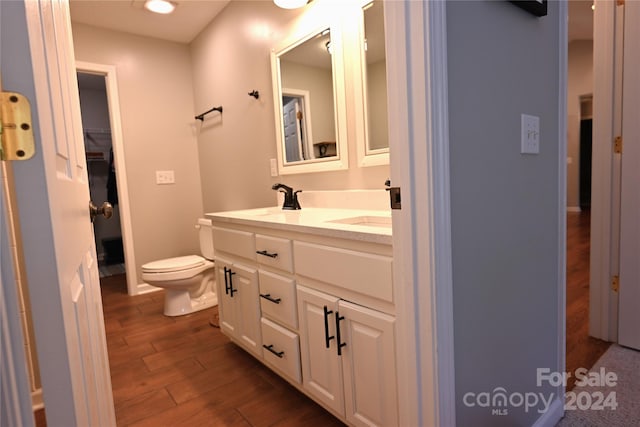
(206, 237)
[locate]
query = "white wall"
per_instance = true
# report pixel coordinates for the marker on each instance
(230, 58)
(503, 61)
(157, 109)
(580, 82)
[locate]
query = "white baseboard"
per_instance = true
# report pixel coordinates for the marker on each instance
(574, 209)
(145, 288)
(36, 399)
(553, 415)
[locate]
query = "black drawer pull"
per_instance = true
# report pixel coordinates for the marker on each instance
(269, 347)
(265, 253)
(270, 298)
(340, 344)
(327, 338)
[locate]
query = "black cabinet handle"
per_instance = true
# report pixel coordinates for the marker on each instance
(226, 280)
(265, 253)
(340, 344)
(327, 338)
(269, 347)
(270, 298)
(228, 285)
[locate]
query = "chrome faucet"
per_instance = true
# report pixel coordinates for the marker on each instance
(290, 197)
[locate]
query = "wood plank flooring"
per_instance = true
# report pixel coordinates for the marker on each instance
(582, 350)
(183, 372)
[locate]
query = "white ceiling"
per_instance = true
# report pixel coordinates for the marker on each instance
(129, 16)
(192, 16)
(580, 20)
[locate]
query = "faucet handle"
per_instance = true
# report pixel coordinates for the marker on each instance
(296, 203)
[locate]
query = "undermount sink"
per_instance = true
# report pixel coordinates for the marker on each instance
(369, 221)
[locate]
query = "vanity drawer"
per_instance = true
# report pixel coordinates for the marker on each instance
(281, 349)
(274, 252)
(361, 272)
(278, 298)
(241, 243)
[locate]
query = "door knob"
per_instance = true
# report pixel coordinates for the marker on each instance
(105, 210)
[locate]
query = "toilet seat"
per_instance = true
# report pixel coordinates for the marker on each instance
(173, 264)
(177, 268)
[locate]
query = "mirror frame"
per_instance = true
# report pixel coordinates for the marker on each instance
(366, 157)
(341, 160)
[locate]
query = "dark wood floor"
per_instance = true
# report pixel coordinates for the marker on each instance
(582, 350)
(181, 371)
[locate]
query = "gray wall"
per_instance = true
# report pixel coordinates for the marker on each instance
(157, 110)
(230, 58)
(502, 62)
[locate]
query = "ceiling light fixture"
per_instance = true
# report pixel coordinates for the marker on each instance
(160, 6)
(290, 4)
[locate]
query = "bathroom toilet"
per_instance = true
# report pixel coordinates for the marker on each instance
(188, 281)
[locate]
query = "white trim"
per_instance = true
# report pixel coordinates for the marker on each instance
(313, 22)
(553, 415)
(558, 410)
(145, 288)
(109, 73)
(36, 400)
(366, 157)
(418, 127)
(574, 209)
(14, 380)
(602, 305)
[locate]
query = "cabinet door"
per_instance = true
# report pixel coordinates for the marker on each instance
(246, 299)
(369, 366)
(227, 311)
(321, 367)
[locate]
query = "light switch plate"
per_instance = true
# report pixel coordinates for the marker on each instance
(274, 167)
(530, 134)
(165, 177)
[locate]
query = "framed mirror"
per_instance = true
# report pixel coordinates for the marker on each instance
(309, 103)
(373, 135)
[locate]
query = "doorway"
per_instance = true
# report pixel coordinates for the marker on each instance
(104, 146)
(101, 173)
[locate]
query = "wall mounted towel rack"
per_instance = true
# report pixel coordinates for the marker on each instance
(201, 116)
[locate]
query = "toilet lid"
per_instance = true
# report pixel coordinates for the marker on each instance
(173, 264)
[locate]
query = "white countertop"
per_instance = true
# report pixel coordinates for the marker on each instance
(354, 224)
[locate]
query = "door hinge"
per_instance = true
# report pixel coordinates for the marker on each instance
(617, 145)
(16, 130)
(615, 283)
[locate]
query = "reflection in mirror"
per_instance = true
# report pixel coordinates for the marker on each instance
(375, 78)
(308, 115)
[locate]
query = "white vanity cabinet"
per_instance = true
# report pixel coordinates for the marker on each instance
(319, 312)
(238, 288)
(348, 358)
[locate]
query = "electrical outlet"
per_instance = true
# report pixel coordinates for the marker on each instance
(530, 134)
(165, 177)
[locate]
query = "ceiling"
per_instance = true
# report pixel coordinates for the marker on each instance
(192, 16)
(129, 16)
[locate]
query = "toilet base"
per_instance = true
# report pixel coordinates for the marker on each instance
(179, 302)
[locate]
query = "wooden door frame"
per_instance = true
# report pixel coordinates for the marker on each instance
(117, 142)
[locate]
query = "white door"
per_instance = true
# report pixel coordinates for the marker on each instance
(246, 289)
(321, 368)
(53, 203)
(368, 366)
(629, 298)
(292, 140)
